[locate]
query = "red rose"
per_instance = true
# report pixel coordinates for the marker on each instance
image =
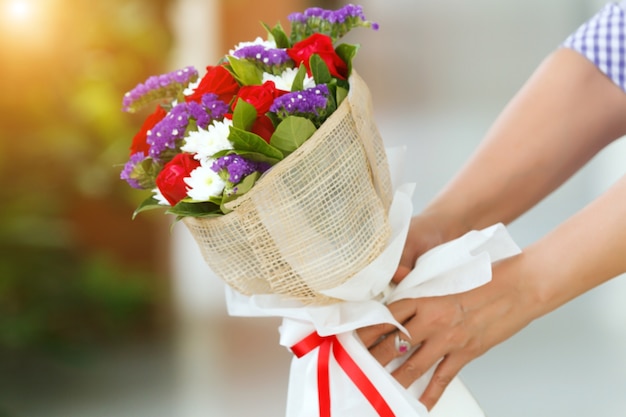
(261, 97)
(321, 45)
(218, 80)
(170, 179)
(139, 141)
(263, 127)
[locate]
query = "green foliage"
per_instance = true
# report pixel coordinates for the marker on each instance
(252, 143)
(291, 133)
(58, 301)
(347, 52)
(149, 203)
(243, 187)
(186, 208)
(61, 135)
(278, 34)
(244, 115)
(298, 81)
(319, 69)
(246, 72)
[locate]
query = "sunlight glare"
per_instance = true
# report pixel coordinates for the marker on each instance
(19, 9)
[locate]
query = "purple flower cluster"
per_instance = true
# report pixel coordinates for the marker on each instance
(309, 102)
(332, 16)
(128, 171)
(210, 108)
(267, 57)
(335, 23)
(158, 86)
(166, 134)
(238, 167)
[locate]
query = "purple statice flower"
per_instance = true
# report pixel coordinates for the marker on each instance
(168, 132)
(167, 135)
(297, 17)
(310, 103)
(268, 56)
(349, 11)
(313, 12)
(272, 60)
(334, 23)
(209, 109)
(129, 169)
(237, 167)
(158, 87)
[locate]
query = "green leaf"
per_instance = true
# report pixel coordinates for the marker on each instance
(244, 115)
(248, 141)
(243, 187)
(274, 118)
(186, 208)
(341, 94)
(259, 157)
(149, 203)
(253, 156)
(298, 81)
(332, 95)
(268, 29)
(246, 72)
(291, 133)
(145, 173)
(279, 35)
(347, 52)
(319, 69)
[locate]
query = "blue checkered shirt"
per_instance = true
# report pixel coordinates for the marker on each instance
(602, 40)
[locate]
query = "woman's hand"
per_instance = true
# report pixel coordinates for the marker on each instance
(452, 330)
(426, 231)
(566, 113)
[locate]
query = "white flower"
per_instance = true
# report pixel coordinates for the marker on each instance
(159, 197)
(204, 183)
(268, 44)
(206, 142)
(284, 81)
(191, 88)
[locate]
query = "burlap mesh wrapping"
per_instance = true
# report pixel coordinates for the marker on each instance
(314, 219)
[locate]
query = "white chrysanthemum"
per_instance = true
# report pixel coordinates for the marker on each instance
(268, 44)
(204, 183)
(191, 88)
(206, 142)
(284, 81)
(159, 197)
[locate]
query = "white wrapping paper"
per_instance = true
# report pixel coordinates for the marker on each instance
(454, 267)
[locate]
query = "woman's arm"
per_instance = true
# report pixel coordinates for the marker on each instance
(566, 112)
(564, 115)
(582, 253)
(561, 118)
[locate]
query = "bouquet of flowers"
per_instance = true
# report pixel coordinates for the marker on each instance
(272, 158)
(274, 163)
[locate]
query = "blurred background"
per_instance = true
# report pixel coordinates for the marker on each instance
(102, 315)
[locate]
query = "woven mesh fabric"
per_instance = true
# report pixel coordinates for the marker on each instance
(315, 219)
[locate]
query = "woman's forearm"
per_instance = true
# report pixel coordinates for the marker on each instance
(582, 253)
(567, 112)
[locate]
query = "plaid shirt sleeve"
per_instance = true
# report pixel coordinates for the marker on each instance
(602, 40)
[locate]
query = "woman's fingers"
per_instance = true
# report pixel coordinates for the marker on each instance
(375, 334)
(446, 370)
(400, 273)
(417, 364)
(402, 310)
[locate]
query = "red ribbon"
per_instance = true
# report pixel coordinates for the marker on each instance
(349, 366)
